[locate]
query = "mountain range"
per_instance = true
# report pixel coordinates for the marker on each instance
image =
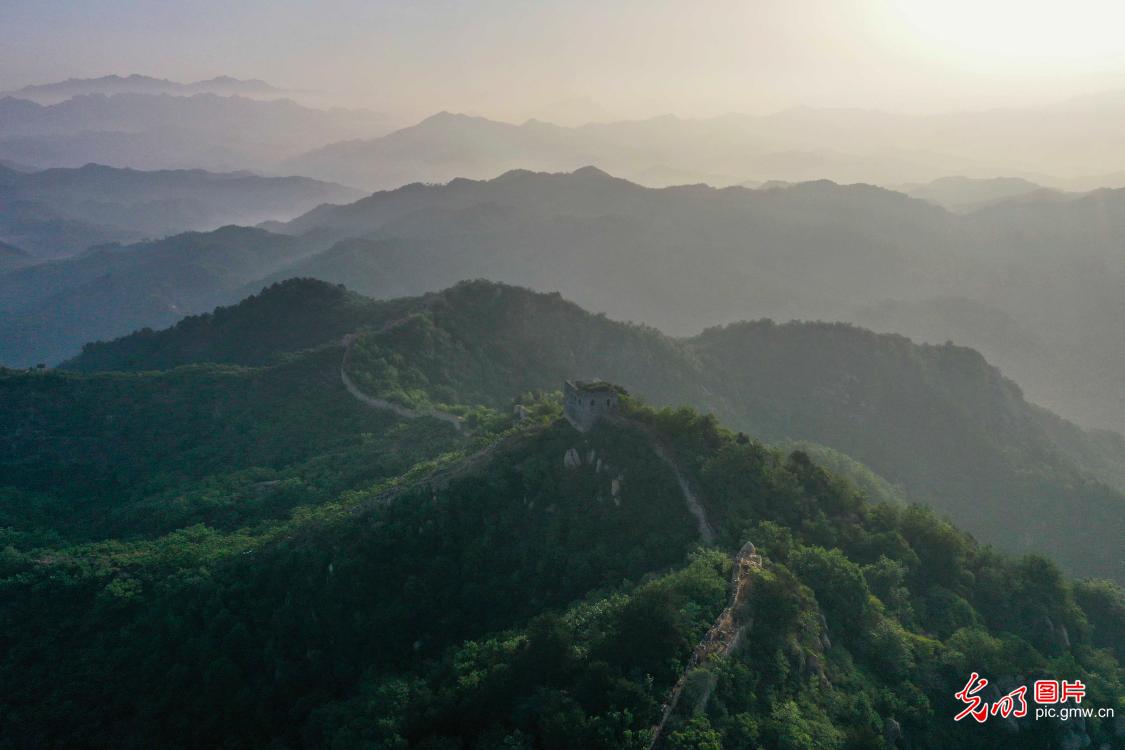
(58, 212)
(682, 259)
(965, 194)
(661, 151)
(688, 257)
(49, 308)
(165, 131)
(336, 573)
(939, 421)
(58, 91)
(1065, 145)
(150, 123)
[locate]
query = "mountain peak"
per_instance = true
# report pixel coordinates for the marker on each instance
(590, 172)
(510, 176)
(445, 117)
(589, 175)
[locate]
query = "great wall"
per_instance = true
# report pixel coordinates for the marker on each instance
(721, 639)
(724, 634)
(380, 403)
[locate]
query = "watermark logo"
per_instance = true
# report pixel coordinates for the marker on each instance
(1052, 696)
(1053, 691)
(1012, 704)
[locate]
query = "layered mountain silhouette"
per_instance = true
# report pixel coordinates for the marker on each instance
(165, 131)
(686, 258)
(59, 212)
(52, 93)
(50, 308)
(966, 194)
(660, 151)
(1065, 145)
(151, 123)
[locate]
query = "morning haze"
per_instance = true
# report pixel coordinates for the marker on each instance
(623, 375)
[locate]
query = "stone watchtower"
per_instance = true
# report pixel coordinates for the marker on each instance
(585, 401)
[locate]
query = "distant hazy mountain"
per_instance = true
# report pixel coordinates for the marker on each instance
(52, 93)
(60, 211)
(615, 246)
(48, 310)
(446, 146)
(49, 233)
(161, 131)
(687, 258)
(660, 151)
(678, 258)
(968, 194)
(43, 229)
(1064, 145)
(1059, 144)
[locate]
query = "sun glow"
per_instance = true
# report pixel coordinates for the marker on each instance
(1020, 31)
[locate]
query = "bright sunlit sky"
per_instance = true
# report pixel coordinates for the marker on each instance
(619, 58)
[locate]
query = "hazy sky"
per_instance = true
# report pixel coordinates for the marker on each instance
(617, 57)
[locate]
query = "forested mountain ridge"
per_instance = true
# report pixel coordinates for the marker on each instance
(292, 551)
(286, 317)
(691, 257)
(684, 258)
(50, 309)
(938, 420)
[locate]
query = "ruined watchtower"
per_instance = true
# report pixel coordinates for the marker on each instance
(585, 401)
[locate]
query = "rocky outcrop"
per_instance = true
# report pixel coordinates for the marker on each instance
(571, 459)
(892, 730)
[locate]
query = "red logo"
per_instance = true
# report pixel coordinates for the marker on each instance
(1053, 691)
(977, 708)
(1012, 704)
(1015, 702)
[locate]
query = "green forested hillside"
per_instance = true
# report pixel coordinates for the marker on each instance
(285, 317)
(134, 455)
(497, 595)
(937, 420)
